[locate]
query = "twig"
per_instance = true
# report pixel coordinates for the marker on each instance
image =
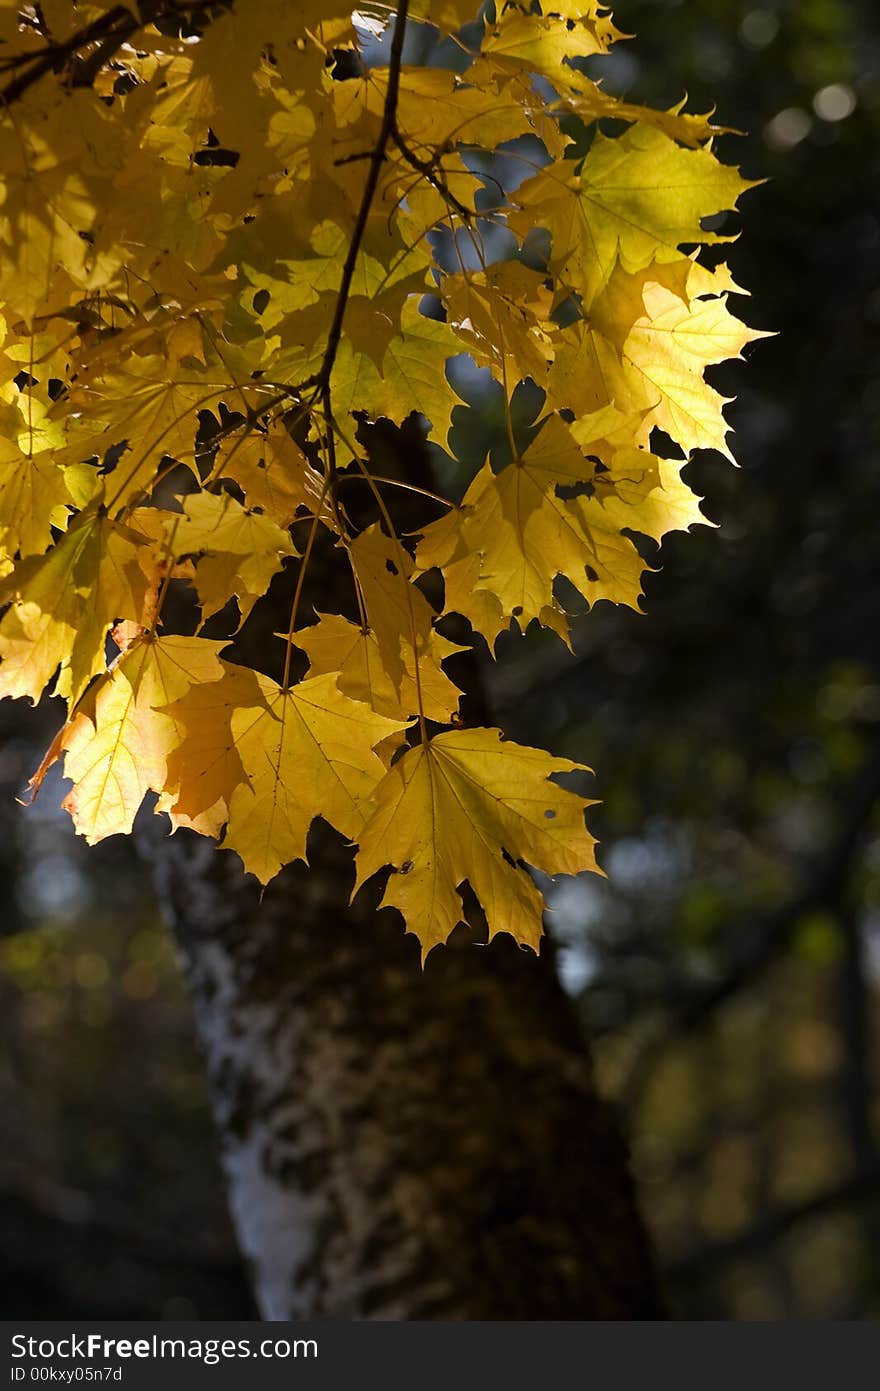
(372, 182)
(109, 31)
(430, 170)
(322, 377)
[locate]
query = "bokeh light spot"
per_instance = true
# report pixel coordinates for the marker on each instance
(759, 28)
(834, 103)
(788, 128)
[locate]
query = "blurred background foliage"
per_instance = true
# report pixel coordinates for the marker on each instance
(729, 965)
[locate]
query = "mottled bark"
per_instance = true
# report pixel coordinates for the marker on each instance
(398, 1143)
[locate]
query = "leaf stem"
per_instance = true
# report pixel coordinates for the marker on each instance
(395, 483)
(432, 171)
(300, 581)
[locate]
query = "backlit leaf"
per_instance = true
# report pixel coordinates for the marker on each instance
(253, 261)
(470, 806)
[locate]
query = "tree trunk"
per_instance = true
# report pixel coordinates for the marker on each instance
(398, 1143)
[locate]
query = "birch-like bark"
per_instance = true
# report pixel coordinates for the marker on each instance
(398, 1143)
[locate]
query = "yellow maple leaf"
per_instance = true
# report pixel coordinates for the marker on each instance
(437, 109)
(590, 101)
(591, 14)
(58, 153)
(137, 402)
(443, 546)
(62, 604)
(239, 550)
(304, 752)
(526, 533)
(668, 348)
(540, 45)
(637, 198)
(388, 270)
(117, 744)
(333, 644)
(449, 15)
(412, 378)
(398, 614)
(34, 491)
(648, 339)
(644, 493)
(516, 531)
(274, 475)
(229, 254)
(503, 314)
(462, 807)
(204, 767)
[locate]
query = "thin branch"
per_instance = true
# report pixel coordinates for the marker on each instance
(430, 170)
(300, 581)
(322, 381)
(109, 31)
(325, 372)
(372, 182)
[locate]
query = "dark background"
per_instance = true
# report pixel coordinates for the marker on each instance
(729, 966)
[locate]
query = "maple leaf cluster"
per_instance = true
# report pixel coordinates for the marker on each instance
(224, 213)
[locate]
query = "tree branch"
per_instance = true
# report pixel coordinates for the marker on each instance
(430, 170)
(109, 31)
(376, 160)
